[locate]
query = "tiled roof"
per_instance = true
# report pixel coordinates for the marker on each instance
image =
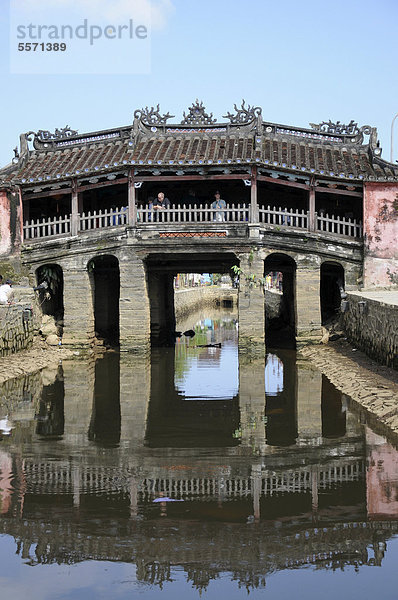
(147, 146)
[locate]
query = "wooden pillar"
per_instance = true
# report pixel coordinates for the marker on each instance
(314, 490)
(311, 209)
(75, 209)
(254, 215)
(132, 208)
(256, 477)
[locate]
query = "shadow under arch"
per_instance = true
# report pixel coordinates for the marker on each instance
(280, 301)
(50, 281)
(331, 289)
(104, 277)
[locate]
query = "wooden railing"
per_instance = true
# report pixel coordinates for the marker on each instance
(339, 225)
(283, 216)
(44, 228)
(103, 218)
(237, 213)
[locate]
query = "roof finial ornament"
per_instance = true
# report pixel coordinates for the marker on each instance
(152, 116)
(337, 128)
(244, 114)
(197, 115)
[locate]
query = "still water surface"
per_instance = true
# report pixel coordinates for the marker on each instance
(196, 474)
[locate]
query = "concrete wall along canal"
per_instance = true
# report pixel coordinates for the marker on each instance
(190, 299)
(371, 323)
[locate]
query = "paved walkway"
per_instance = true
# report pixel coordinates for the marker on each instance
(385, 296)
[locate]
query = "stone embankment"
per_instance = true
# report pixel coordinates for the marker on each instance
(372, 387)
(370, 321)
(16, 328)
(37, 357)
(18, 321)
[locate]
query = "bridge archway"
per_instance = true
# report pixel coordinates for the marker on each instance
(50, 279)
(161, 270)
(331, 289)
(104, 277)
(280, 300)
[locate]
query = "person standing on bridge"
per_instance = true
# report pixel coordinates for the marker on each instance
(160, 204)
(220, 204)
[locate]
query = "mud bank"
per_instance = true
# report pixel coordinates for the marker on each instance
(372, 387)
(37, 357)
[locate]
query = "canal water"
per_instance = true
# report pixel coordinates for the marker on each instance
(197, 474)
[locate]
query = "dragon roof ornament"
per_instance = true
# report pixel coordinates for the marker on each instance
(244, 114)
(152, 116)
(198, 115)
(46, 136)
(341, 128)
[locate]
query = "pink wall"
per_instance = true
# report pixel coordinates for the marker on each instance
(5, 233)
(381, 478)
(10, 228)
(381, 234)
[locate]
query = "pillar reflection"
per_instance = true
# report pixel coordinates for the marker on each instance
(105, 423)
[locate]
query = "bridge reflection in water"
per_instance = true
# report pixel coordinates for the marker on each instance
(273, 471)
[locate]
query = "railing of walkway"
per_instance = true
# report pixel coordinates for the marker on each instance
(237, 213)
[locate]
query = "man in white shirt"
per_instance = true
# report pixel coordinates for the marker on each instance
(6, 292)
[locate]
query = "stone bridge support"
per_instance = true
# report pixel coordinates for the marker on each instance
(78, 308)
(134, 305)
(251, 304)
(308, 305)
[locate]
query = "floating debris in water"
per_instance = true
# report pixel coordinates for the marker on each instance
(166, 499)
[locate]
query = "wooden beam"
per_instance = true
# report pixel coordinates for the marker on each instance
(165, 178)
(302, 186)
(320, 189)
(82, 188)
(38, 195)
(100, 184)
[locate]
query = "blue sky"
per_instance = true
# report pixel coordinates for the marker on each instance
(301, 62)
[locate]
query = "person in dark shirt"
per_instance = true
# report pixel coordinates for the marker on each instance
(159, 205)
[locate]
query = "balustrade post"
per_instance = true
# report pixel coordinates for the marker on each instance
(132, 207)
